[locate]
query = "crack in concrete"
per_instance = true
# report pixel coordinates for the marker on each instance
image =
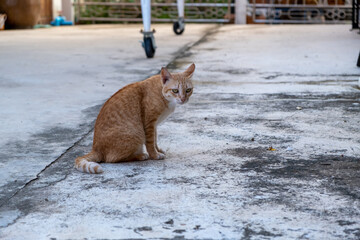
(47, 166)
(184, 51)
(39, 175)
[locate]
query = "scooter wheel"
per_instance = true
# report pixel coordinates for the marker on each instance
(177, 29)
(149, 48)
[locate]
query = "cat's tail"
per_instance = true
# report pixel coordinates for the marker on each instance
(88, 163)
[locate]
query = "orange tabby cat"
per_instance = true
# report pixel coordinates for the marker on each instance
(128, 120)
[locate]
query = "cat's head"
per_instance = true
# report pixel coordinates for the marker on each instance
(177, 87)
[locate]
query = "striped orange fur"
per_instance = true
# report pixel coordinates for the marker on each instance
(128, 120)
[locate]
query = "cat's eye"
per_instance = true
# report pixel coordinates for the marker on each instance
(188, 90)
(175, 90)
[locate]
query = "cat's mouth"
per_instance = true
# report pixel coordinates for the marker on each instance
(181, 102)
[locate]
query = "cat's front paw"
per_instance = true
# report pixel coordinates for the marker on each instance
(160, 150)
(142, 157)
(158, 156)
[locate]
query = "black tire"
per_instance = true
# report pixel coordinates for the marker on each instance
(177, 29)
(149, 48)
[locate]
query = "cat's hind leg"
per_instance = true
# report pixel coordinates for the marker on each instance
(126, 148)
(87, 163)
(139, 155)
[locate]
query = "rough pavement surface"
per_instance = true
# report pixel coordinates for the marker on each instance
(267, 148)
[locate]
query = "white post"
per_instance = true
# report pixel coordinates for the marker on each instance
(146, 14)
(56, 8)
(240, 11)
(180, 6)
(68, 10)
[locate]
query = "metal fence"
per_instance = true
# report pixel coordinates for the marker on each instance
(300, 11)
(161, 10)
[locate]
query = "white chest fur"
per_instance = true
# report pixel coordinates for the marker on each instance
(167, 112)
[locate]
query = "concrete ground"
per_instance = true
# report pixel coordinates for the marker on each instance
(267, 148)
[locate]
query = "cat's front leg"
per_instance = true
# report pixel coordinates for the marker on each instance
(150, 143)
(156, 145)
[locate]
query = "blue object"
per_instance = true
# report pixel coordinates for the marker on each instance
(60, 21)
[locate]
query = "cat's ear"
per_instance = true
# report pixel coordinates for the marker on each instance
(165, 75)
(189, 72)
